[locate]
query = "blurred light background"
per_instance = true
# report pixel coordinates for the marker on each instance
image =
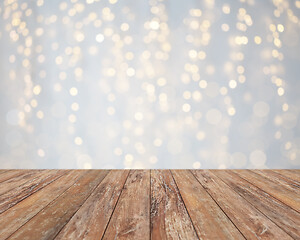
(149, 84)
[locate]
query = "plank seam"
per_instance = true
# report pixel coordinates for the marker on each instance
(285, 176)
(46, 206)
(184, 205)
(218, 205)
(34, 192)
(251, 203)
(265, 191)
(81, 204)
(115, 205)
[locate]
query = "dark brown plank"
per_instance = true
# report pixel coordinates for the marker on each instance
(44, 225)
(275, 188)
(169, 218)
(209, 220)
(131, 217)
(292, 174)
(12, 197)
(252, 223)
(92, 218)
(18, 215)
(284, 217)
(18, 180)
(11, 174)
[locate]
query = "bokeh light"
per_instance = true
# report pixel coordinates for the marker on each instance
(149, 84)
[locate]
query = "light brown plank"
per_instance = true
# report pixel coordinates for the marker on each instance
(284, 217)
(292, 174)
(252, 223)
(169, 218)
(294, 186)
(18, 215)
(49, 221)
(11, 174)
(131, 218)
(282, 192)
(18, 180)
(209, 220)
(92, 218)
(12, 197)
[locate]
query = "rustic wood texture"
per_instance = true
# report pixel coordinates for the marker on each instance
(92, 218)
(169, 217)
(278, 189)
(246, 217)
(149, 204)
(131, 217)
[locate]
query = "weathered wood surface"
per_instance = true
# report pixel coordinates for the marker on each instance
(131, 217)
(283, 191)
(149, 204)
(169, 217)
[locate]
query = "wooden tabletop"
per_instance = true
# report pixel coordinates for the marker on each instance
(144, 204)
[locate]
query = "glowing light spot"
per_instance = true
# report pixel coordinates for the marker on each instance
(138, 116)
(196, 165)
(41, 152)
(280, 91)
(231, 111)
(130, 72)
(78, 141)
(154, 25)
(232, 84)
(37, 90)
(202, 84)
(186, 107)
(99, 38)
(73, 91)
(280, 28)
(40, 115)
(226, 9)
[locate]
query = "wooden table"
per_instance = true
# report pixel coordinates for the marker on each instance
(144, 204)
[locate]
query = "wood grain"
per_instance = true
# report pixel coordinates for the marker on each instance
(149, 204)
(277, 189)
(92, 218)
(291, 174)
(11, 174)
(131, 217)
(12, 197)
(169, 218)
(251, 222)
(15, 217)
(43, 226)
(204, 212)
(284, 217)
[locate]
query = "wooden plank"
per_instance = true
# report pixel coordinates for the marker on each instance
(169, 217)
(11, 174)
(252, 223)
(284, 217)
(131, 217)
(294, 186)
(44, 225)
(12, 197)
(276, 189)
(18, 215)
(92, 218)
(18, 180)
(209, 220)
(291, 174)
